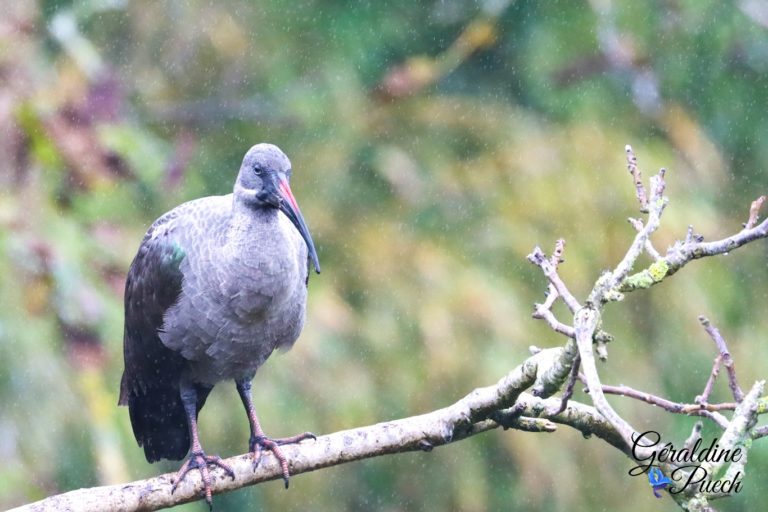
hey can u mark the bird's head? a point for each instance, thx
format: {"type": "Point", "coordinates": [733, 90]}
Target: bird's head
{"type": "Point", "coordinates": [263, 182]}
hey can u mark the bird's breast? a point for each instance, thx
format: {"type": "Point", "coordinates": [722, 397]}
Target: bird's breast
{"type": "Point", "coordinates": [240, 301]}
{"type": "Point", "coordinates": [264, 270]}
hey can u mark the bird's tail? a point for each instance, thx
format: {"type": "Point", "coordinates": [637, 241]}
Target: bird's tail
{"type": "Point", "coordinates": [159, 421]}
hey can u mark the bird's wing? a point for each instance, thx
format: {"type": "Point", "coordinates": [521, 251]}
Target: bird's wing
{"type": "Point", "coordinates": [153, 285]}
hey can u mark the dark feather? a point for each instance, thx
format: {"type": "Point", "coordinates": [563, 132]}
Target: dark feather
{"type": "Point", "coordinates": [150, 383]}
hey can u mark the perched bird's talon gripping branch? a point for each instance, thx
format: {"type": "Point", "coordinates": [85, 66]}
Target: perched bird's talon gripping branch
{"type": "Point", "coordinates": [217, 285]}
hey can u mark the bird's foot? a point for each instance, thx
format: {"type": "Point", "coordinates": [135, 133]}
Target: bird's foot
{"type": "Point", "coordinates": [200, 461]}
{"type": "Point", "coordinates": [259, 443]}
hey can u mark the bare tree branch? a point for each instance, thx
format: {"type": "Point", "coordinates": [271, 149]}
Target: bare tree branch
{"type": "Point", "coordinates": [667, 405]}
{"type": "Point", "coordinates": [544, 311]}
{"type": "Point", "coordinates": [570, 385]}
{"type": "Point", "coordinates": [737, 433]}
{"type": "Point", "coordinates": [703, 398]}
{"type": "Point", "coordinates": [724, 357]}
{"type": "Point", "coordinates": [465, 418]}
{"type": "Point", "coordinates": [636, 178]}
{"type": "Point", "coordinates": [649, 248]}
{"type": "Point", "coordinates": [611, 286]}
{"type": "Point", "coordinates": [418, 433]}
{"type": "Point", "coordinates": [538, 258]}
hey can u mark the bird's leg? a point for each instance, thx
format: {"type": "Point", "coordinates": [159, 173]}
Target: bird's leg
{"type": "Point", "coordinates": [197, 457]}
{"type": "Point", "coordinates": [258, 440]}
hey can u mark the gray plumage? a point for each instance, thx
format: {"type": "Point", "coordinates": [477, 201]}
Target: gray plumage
{"type": "Point", "coordinates": [217, 285]}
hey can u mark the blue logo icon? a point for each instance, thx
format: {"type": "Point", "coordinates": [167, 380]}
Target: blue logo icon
{"type": "Point", "coordinates": [658, 481]}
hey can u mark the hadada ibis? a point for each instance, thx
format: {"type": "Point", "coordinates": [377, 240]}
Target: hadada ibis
{"type": "Point", "coordinates": [217, 285]}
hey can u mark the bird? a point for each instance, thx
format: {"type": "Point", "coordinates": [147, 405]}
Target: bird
{"type": "Point", "coordinates": [217, 285]}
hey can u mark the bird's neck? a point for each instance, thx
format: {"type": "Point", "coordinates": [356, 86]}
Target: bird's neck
{"type": "Point", "coordinates": [256, 238]}
{"type": "Point", "coordinates": [249, 221]}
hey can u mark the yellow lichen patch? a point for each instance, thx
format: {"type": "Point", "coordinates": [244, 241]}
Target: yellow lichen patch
{"type": "Point", "coordinates": [658, 270]}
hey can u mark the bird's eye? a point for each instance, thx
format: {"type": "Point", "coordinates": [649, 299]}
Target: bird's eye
{"type": "Point", "coordinates": [258, 171]}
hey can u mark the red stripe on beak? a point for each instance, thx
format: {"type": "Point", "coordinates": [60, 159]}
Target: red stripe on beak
{"type": "Point", "coordinates": [285, 191]}
{"type": "Point", "coordinates": [290, 207]}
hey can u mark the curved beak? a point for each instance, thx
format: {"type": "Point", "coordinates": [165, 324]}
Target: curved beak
{"type": "Point", "coordinates": [290, 208]}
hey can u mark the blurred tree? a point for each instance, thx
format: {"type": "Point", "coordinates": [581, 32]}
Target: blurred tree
{"type": "Point", "coordinates": [424, 202]}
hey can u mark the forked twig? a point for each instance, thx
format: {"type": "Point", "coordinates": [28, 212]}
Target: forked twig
{"type": "Point", "coordinates": [725, 358]}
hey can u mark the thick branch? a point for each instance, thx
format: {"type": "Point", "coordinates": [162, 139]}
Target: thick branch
{"type": "Point", "coordinates": [585, 323]}
{"type": "Point", "coordinates": [410, 434]}
{"type": "Point", "coordinates": [465, 418]}
{"type": "Point", "coordinates": [738, 432]}
{"type": "Point", "coordinates": [581, 417]}
{"type": "Point", "coordinates": [505, 402]}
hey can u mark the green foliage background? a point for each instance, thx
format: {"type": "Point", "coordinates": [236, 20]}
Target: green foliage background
{"type": "Point", "coordinates": [434, 144]}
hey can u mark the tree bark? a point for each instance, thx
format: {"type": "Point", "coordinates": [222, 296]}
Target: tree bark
{"type": "Point", "coordinates": [465, 418]}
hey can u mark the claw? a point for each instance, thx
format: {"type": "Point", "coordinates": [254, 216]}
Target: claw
{"type": "Point", "coordinates": [200, 461]}
{"type": "Point", "coordinates": [259, 443]}
{"type": "Point", "coordinates": [296, 439]}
